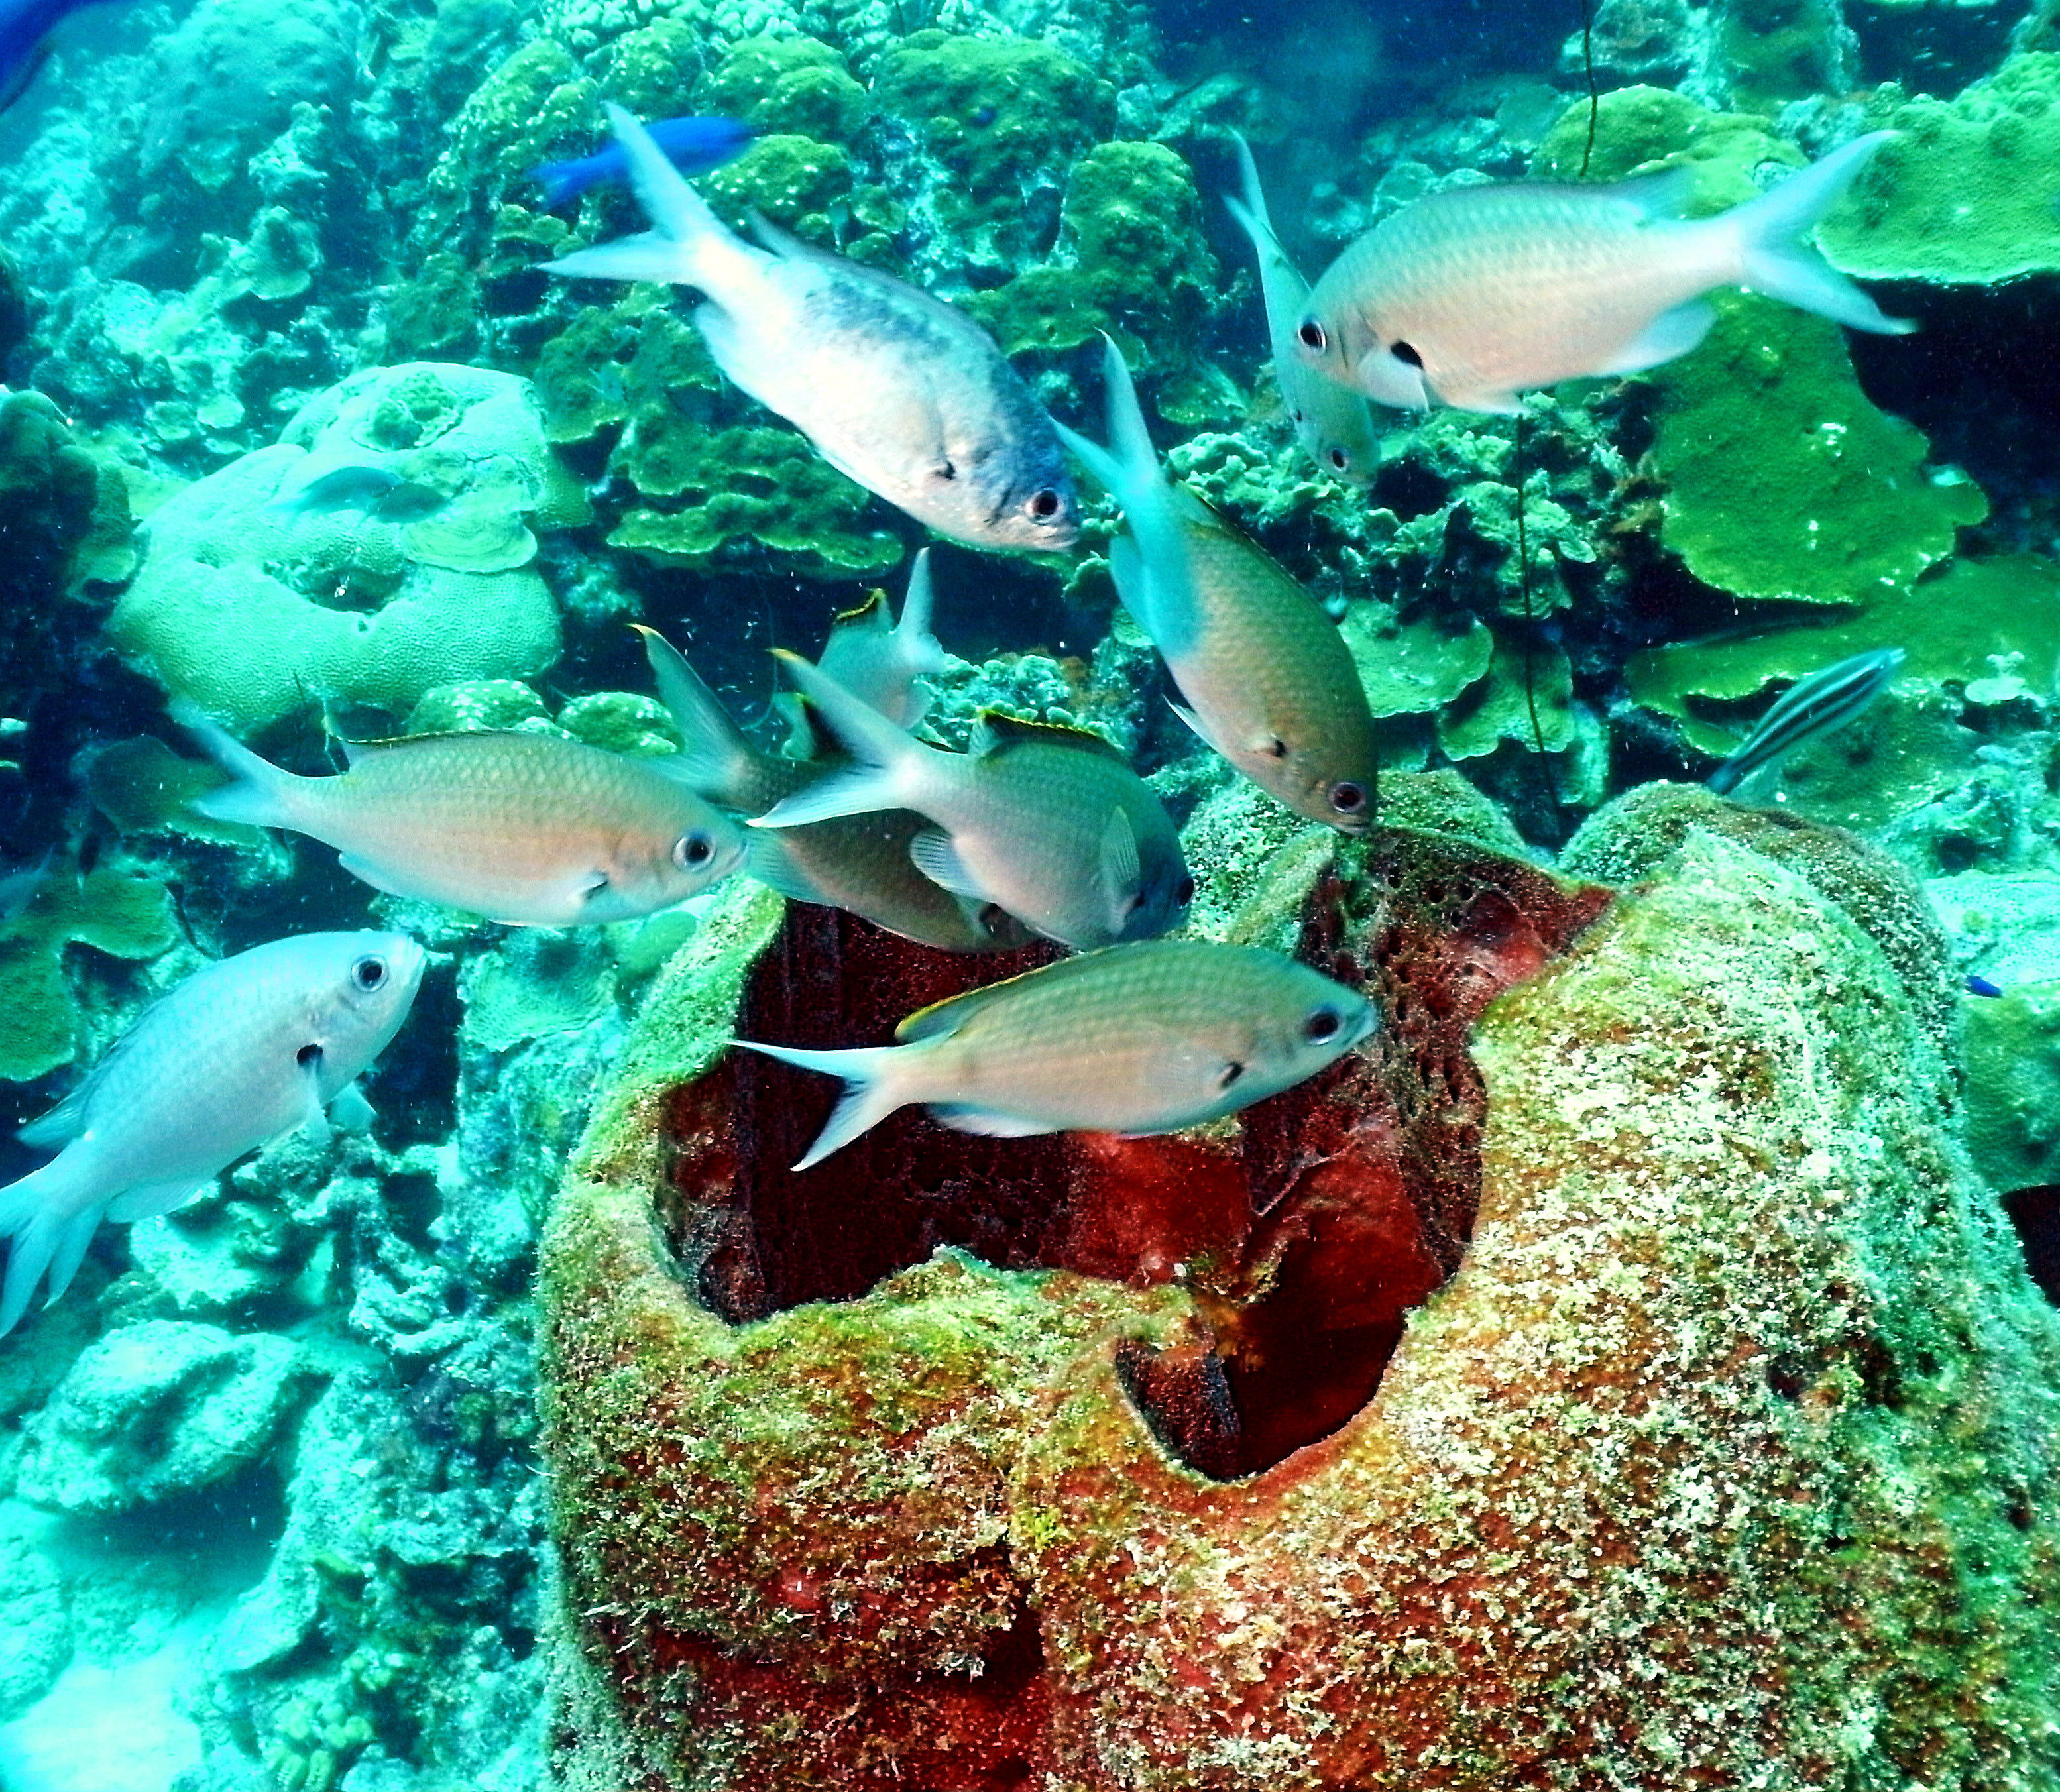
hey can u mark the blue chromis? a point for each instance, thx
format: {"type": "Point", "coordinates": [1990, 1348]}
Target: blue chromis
{"type": "Point", "coordinates": [1475, 294]}
{"type": "Point", "coordinates": [1268, 680]}
{"type": "Point", "coordinates": [1047, 823]}
{"type": "Point", "coordinates": [1137, 1038]}
{"type": "Point", "coordinates": [531, 829]}
{"type": "Point", "coordinates": [881, 662]}
{"type": "Point", "coordinates": [243, 1050]}
{"type": "Point", "coordinates": [1808, 710]}
{"type": "Point", "coordinates": [693, 146]}
{"type": "Point", "coordinates": [858, 862]}
{"type": "Point", "coordinates": [897, 391]}
{"type": "Point", "coordinates": [1334, 425]}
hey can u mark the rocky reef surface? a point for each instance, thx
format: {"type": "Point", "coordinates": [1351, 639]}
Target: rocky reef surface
{"type": "Point", "coordinates": [1626, 1376]}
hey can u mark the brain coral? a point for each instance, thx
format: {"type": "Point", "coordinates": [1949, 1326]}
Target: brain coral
{"type": "Point", "coordinates": [255, 608]}
{"type": "Point", "coordinates": [1726, 1457]}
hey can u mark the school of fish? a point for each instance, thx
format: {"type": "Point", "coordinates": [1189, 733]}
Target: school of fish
{"type": "Point", "coordinates": [1466, 299]}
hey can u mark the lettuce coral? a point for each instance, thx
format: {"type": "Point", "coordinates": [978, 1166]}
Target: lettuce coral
{"type": "Point", "coordinates": [1963, 195]}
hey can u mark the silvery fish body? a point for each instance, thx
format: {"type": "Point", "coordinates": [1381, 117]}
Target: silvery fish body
{"type": "Point", "coordinates": [882, 662]}
{"type": "Point", "coordinates": [1048, 825]}
{"type": "Point", "coordinates": [896, 390]}
{"type": "Point", "coordinates": [1334, 425]}
{"type": "Point", "coordinates": [530, 829]}
{"type": "Point", "coordinates": [1473, 295]}
{"type": "Point", "coordinates": [1138, 1039]}
{"type": "Point", "coordinates": [1269, 682]}
{"type": "Point", "coordinates": [240, 1052]}
{"type": "Point", "coordinates": [858, 863]}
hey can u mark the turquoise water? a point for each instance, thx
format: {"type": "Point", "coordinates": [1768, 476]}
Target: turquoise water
{"type": "Point", "coordinates": [1544, 496]}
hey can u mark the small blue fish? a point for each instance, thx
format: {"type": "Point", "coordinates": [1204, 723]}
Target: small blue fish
{"type": "Point", "coordinates": [1981, 986]}
{"type": "Point", "coordinates": [693, 146]}
{"type": "Point", "coordinates": [24, 30]}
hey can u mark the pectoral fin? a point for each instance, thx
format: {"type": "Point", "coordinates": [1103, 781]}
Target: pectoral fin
{"type": "Point", "coordinates": [938, 860]}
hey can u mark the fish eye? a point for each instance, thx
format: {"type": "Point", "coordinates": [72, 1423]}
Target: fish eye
{"type": "Point", "coordinates": [1322, 1025]}
{"type": "Point", "coordinates": [1340, 461]}
{"type": "Point", "coordinates": [1183, 892]}
{"type": "Point", "coordinates": [1276, 748]}
{"type": "Point", "coordinates": [1346, 797]}
{"type": "Point", "coordinates": [691, 851]}
{"type": "Point", "coordinates": [1045, 504]}
{"type": "Point", "coordinates": [1407, 356]}
{"type": "Point", "coordinates": [1230, 1073]}
{"type": "Point", "coordinates": [1312, 335]}
{"type": "Point", "coordinates": [369, 973]}
{"type": "Point", "coordinates": [308, 1056]}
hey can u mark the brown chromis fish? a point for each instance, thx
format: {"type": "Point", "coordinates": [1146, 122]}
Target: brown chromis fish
{"type": "Point", "coordinates": [243, 1050]}
{"type": "Point", "coordinates": [1334, 425]}
{"type": "Point", "coordinates": [897, 391]}
{"type": "Point", "coordinates": [1808, 709]}
{"type": "Point", "coordinates": [858, 863]}
{"type": "Point", "coordinates": [1048, 824]}
{"type": "Point", "coordinates": [881, 661]}
{"type": "Point", "coordinates": [1269, 682]}
{"type": "Point", "coordinates": [1137, 1038]}
{"type": "Point", "coordinates": [1473, 295]}
{"type": "Point", "coordinates": [531, 829]}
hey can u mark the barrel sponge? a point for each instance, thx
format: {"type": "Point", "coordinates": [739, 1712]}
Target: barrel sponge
{"type": "Point", "coordinates": [255, 609]}
{"type": "Point", "coordinates": [1729, 1455]}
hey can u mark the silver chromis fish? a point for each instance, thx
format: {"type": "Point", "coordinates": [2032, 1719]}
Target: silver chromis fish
{"type": "Point", "coordinates": [858, 863]}
{"type": "Point", "coordinates": [1138, 1039]}
{"type": "Point", "coordinates": [1048, 824]}
{"type": "Point", "coordinates": [880, 662]}
{"type": "Point", "coordinates": [896, 390]}
{"type": "Point", "coordinates": [1269, 682]}
{"type": "Point", "coordinates": [1810, 708]}
{"type": "Point", "coordinates": [1334, 425]}
{"type": "Point", "coordinates": [1473, 295]}
{"type": "Point", "coordinates": [530, 829]}
{"type": "Point", "coordinates": [240, 1052]}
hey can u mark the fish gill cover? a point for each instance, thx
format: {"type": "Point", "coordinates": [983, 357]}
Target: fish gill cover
{"type": "Point", "coordinates": [1618, 1369]}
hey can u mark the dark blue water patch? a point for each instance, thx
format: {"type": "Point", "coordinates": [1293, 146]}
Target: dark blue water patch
{"type": "Point", "coordinates": [1982, 379]}
{"type": "Point", "coordinates": [2035, 1214]}
{"type": "Point", "coordinates": [1931, 49]}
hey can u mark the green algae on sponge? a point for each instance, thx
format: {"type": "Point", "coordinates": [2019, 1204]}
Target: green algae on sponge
{"type": "Point", "coordinates": [41, 1020]}
{"type": "Point", "coordinates": [257, 609]}
{"type": "Point", "coordinates": [1964, 195]}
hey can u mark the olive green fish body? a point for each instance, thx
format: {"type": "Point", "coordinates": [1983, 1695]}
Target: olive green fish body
{"type": "Point", "coordinates": [1269, 682]}
{"type": "Point", "coordinates": [527, 828]}
{"type": "Point", "coordinates": [1268, 679]}
{"type": "Point", "coordinates": [1141, 1038]}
